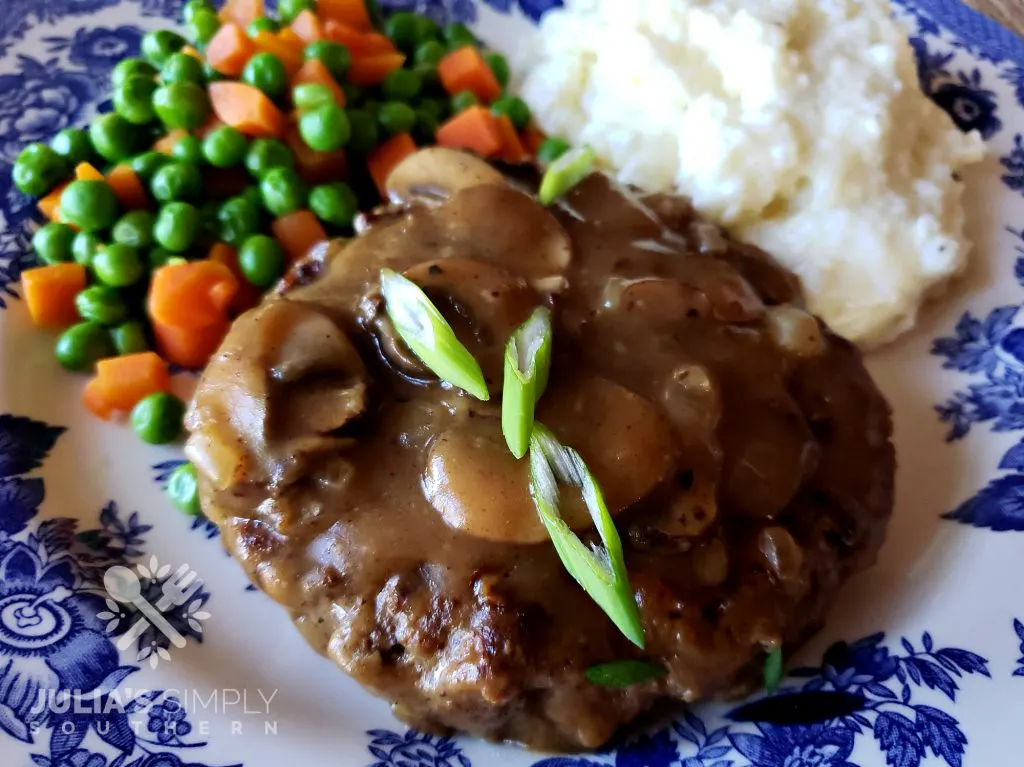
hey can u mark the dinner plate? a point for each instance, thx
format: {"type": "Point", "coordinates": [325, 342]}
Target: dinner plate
{"type": "Point", "coordinates": [921, 662]}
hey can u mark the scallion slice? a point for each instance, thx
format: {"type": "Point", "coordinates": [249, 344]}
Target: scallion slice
{"type": "Point", "coordinates": [429, 336]}
{"type": "Point", "coordinates": [624, 673]}
{"type": "Point", "coordinates": [565, 173]}
{"type": "Point", "coordinates": [527, 366]}
{"type": "Point", "coordinates": [773, 670]}
{"type": "Point", "coordinates": [601, 571]}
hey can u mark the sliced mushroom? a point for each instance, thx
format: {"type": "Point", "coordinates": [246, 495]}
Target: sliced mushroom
{"type": "Point", "coordinates": [668, 300]}
{"type": "Point", "coordinates": [795, 330]}
{"type": "Point", "coordinates": [432, 175]}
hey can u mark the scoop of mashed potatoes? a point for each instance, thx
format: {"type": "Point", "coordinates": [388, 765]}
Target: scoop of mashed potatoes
{"type": "Point", "coordinates": [797, 124]}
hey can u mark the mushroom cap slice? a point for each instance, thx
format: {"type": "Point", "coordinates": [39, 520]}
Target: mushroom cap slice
{"type": "Point", "coordinates": [432, 175]}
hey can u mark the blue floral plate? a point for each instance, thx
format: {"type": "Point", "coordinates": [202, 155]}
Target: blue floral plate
{"type": "Point", "coordinates": [921, 664]}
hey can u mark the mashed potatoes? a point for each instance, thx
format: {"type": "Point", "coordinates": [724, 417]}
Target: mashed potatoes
{"type": "Point", "coordinates": [798, 124]}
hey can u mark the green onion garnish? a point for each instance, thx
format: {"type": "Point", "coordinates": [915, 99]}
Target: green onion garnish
{"type": "Point", "coordinates": [601, 572]}
{"type": "Point", "coordinates": [527, 366]}
{"type": "Point", "coordinates": [773, 670]}
{"type": "Point", "coordinates": [429, 336]}
{"type": "Point", "coordinates": [623, 673]}
{"type": "Point", "coordinates": [565, 173]}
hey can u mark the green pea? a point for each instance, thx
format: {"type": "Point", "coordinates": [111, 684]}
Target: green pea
{"type": "Point", "coordinates": [402, 85]}
{"type": "Point", "coordinates": [268, 153]}
{"type": "Point", "coordinates": [89, 205]}
{"type": "Point", "coordinates": [334, 56]}
{"type": "Point", "coordinates": [463, 100]}
{"type": "Point", "coordinates": [499, 65]}
{"type": "Point", "coordinates": [457, 35]}
{"type": "Point", "coordinates": [182, 68]}
{"type": "Point", "coordinates": [159, 257]}
{"type": "Point", "coordinates": [514, 108]}
{"type": "Point", "coordinates": [38, 169]}
{"type": "Point", "coordinates": [211, 74]}
{"type": "Point", "coordinates": [177, 181]}
{"type": "Point", "coordinates": [266, 72]}
{"type": "Point", "coordinates": [156, 418]}
{"type": "Point", "coordinates": [84, 247]}
{"type": "Point", "coordinates": [431, 52]}
{"type": "Point", "coordinates": [426, 29]}
{"type": "Point", "coordinates": [189, 149]}
{"type": "Point", "coordinates": [283, 191]}
{"type": "Point", "coordinates": [117, 266]}
{"type": "Point", "coordinates": [252, 194]}
{"type": "Point", "coordinates": [326, 128]}
{"type": "Point", "coordinates": [396, 117]}
{"type": "Point", "coordinates": [353, 94]}
{"type": "Point", "coordinates": [262, 24]}
{"type": "Point", "coordinates": [225, 147]}
{"type": "Point", "coordinates": [135, 228]}
{"type": "Point", "coordinates": [192, 7]}
{"type": "Point", "coordinates": [129, 338]}
{"type": "Point", "coordinates": [81, 346]}
{"type": "Point", "coordinates": [53, 242]}
{"type": "Point", "coordinates": [148, 163]}
{"type": "Point", "coordinates": [183, 490]}
{"type": "Point", "coordinates": [102, 305]}
{"type": "Point", "coordinates": [113, 137]}
{"type": "Point", "coordinates": [551, 149]}
{"type": "Point", "coordinates": [239, 219]}
{"type": "Point", "coordinates": [402, 29]}
{"type": "Point", "coordinates": [311, 95]}
{"type": "Point", "coordinates": [182, 105]}
{"type": "Point", "coordinates": [132, 68]}
{"type": "Point", "coordinates": [133, 100]}
{"type": "Point", "coordinates": [287, 10]}
{"type": "Point", "coordinates": [73, 145]}
{"type": "Point", "coordinates": [261, 260]}
{"type": "Point", "coordinates": [365, 134]}
{"type": "Point", "coordinates": [203, 26]}
{"type": "Point", "coordinates": [177, 225]}
{"type": "Point", "coordinates": [158, 46]}
{"type": "Point", "coordinates": [334, 203]}
{"type": "Point", "coordinates": [425, 131]}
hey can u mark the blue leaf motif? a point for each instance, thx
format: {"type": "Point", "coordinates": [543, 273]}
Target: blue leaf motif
{"type": "Point", "coordinates": [19, 502]}
{"type": "Point", "coordinates": [1013, 460]}
{"type": "Point", "coordinates": [24, 444]}
{"type": "Point", "coordinates": [934, 677]}
{"type": "Point", "coordinates": [941, 733]}
{"type": "Point", "coordinates": [898, 738]}
{"type": "Point", "coordinates": [879, 690]}
{"type": "Point", "coordinates": [116, 731]}
{"type": "Point", "coordinates": [998, 506]}
{"type": "Point", "coordinates": [968, 661]}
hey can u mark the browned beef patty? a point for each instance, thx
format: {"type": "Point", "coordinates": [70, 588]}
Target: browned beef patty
{"type": "Point", "coordinates": [743, 449]}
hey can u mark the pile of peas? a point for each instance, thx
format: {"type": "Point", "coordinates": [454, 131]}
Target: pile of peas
{"type": "Point", "coordinates": [165, 90]}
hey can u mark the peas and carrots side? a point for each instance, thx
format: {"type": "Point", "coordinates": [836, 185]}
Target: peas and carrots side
{"type": "Point", "coordinates": [228, 153]}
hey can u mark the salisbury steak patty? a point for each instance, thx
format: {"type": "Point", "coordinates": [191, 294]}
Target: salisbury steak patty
{"type": "Point", "coordinates": [742, 448]}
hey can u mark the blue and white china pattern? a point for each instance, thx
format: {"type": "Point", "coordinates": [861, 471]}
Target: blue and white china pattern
{"type": "Point", "coordinates": [876, 701]}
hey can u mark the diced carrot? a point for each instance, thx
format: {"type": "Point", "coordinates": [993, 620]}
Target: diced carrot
{"type": "Point", "coordinates": [50, 293]}
{"type": "Point", "coordinates": [188, 347]}
{"type": "Point", "coordinates": [532, 137]}
{"type": "Point", "coordinates": [248, 295]}
{"type": "Point", "coordinates": [307, 26]}
{"type": "Point", "coordinates": [314, 71]}
{"type": "Point", "coordinates": [230, 50]}
{"type": "Point", "coordinates": [128, 188]}
{"type": "Point", "coordinates": [475, 129]}
{"type": "Point", "coordinates": [298, 232]}
{"type": "Point", "coordinates": [49, 206]}
{"type": "Point", "coordinates": [384, 158]}
{"type": "Point", "coordinates": [316, 167]}
{"type": "Point", "coordinates": [285, 51]}
{"type": "Point", "coordinates": [466, 70]}
{"type": "Point", "coordinates": [191, 295]}
{"type": "Point", "coordinates": [511, 147]}
{"type": "Point", "coordinates": [372, 70]}
{"type": "Point", "coordinates": [246, 108]}
{"type": "Point", "coordinates": [188, 50]}
{"type": "Point", "coordinates": [288, 36]}
{"type": "Point", "coordinates": [358, 43]}
{"type": "Point", "coordinates": [87, 172]}
{"type": "Point", "coordinates": [166, 143]}
{"type": "Point", "coordinates": [242, 12]}
{"type": "Point", "coordinates": [121, 382]}
{"type": "Point", "coordinates": [349, 12]}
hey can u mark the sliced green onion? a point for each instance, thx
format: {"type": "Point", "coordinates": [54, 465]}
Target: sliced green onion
{"type": "Point", "coordinates": [773, 670]}
{"type": "Point", "coordinates": [624, 673]}
{"type": "Point", "coordinates": [601, 571]}
{"type": "Point", "coordinates": [429, 336]}
{"type": "Point", "coordinates": [527, 366]}
{"type": "Point", "coordinates": [565, 173]}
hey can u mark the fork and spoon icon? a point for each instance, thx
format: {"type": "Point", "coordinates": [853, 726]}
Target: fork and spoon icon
{"type": "Point", "coordinates": [123, 584]}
